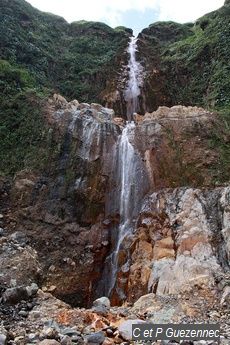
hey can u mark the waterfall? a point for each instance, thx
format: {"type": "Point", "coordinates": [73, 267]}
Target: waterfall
{"type": "Point", "coordinates": [128, 162]}
{"type": "Point", "coordinates": [126, 174]}
{"type": "Point", "coordinates": [133, 91]}
{"type": "Point", "coordinates": [128, 182]}
{"type": "Point", "coordinates": [132, 181]}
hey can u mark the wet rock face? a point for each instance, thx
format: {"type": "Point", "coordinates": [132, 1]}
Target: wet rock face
{"type": "Point", "coordinates": [172, 145]}
{"type": "Point", "coordinates": [62, 212]}
{"type": "Point", "coordinates": [180, 242]}
{"type": "Point", "coordinates": [175, 146]}
{"type": "Point", "coordinates": [59, 228]}
{"type": "Point", "coordinates": [70, 214]}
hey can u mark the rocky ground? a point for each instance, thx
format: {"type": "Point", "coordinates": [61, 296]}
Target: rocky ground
{"type": "Point", "coordinates": [30, 315]}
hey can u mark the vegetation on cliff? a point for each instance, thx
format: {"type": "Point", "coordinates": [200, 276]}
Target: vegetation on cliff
{"type": "Point", "coordinates": [22, 127]}
{"type": "Point", "coordinates": [74, 59]}
{"type": "Point", "coordinates": [41, 53]}
{"type": "Point", "coordinates": [188, 64]}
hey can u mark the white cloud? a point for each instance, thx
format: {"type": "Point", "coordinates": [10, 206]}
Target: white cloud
{"type": "Point", "coordinates": [73, 10]}
{"type": "Point", "coordinates": [112, 10]}
{"type": "Point", "coordinates": [183, 11]}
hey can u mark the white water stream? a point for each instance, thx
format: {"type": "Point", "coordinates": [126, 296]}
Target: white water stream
{"type": "Point", "coordinates": [127, 160]}
{"type": "Point", "coordinates": [131, 170]}
{"type": "Point", "coordinates": [135, 78]}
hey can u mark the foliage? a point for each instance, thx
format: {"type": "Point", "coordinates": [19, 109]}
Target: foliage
{"type": "Point", "coordinates": [41, 53]}
{"type": "Point", "coordinates": [73, 59]}
{"type": "Point", "coordinates": [198, 66]}
{"type": "Point", "coordinates": [22, 130]}
{"type": "Point", "coordinates": [191, 67]}
{"type": "Point", "coordinates": [192, 61]}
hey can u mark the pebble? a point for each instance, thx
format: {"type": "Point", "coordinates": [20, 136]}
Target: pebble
{"type": "Point", "coordinates": [49, 342]}
{"type": "Point", "coordinates": [18, 339]}
{"type": "Point", "coordinates": [30, 306]}
{"type": "Point", "coordinates": [66, 340]}
{"type": "Point", "coordinates": [52, 268]}
{"type": "Point", "coordinates": [3, 339]}
{"type": "Point", "coordinates": [32, 337]}
{"type": "Point", "coordinates": [109, 332]}
{"type": "Point", "coordinates": [95, 338]}
{"type": "Point", "coordinates": [51, 288]}
{"type": "Point", "coordinates": [76, 339]}
{"type": "Point", "coordinates": [100, 309]}
{"type": "Point", "coordinates": [23, 313]}
{"type": "Point", "coordinates": [35, 314]}
{"type": "Point", "coordinates": [49, 332]}
{"type": "Point", "coordinates": [52, 324]}
{"type": "Point", "coordinates": [32, 289]}
{"type": "Point", "coordinates": [70, 332]}
{"type": "Point", "coordinates": [214, 314]}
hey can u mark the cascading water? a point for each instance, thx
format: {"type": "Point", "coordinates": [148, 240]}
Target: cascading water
{"type": "Point", "coordinates": [135, 77]}
{"type": "Point", "coordinates": [127, 164]}
{"type": "Point", "coordinates": [129, 174]}
{"type": "Point", "coordinates": [128, 185]}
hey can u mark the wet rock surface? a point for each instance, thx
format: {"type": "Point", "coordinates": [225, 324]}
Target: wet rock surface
{"type": "Point", "coordinates": [67, 206]}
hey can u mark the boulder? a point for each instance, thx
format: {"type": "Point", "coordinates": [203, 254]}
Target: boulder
{"type": "Point", "coordinates": [15, 295]}
{"type": "Point", "coordinates": [102, 301]}
{"type": "Point", "coordinates": [59, 100]}
{"type": "Point", "coordinates": [125, 328]}
{"type": "Point", "coordinates": [19, 293]}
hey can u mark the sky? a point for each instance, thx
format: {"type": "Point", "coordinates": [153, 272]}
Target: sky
{"type": "Point", "coordinates": [135, 14]}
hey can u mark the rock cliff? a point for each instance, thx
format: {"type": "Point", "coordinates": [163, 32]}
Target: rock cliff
{"type": "Point", "coordinates": [74, 204]}
{"type": "Point", "coordinates": [104, 222]}
{"type": "Point", "coordinates": [59, 227]}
